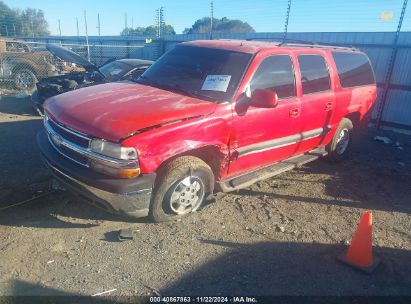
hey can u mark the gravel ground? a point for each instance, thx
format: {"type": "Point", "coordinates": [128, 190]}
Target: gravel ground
{"type": "Point", "coordinates": [278, 237]}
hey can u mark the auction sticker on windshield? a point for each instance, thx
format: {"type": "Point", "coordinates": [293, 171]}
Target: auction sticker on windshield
{"type": "Point", "coordinates": [216, 83]}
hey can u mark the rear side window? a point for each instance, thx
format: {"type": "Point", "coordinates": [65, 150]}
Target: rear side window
{"type": "Point", "coordinates": [314, 73]}
{"type": "Point", "coordinates": [353, 69]}
{"type": "Point", "coordinates": [275, 73]}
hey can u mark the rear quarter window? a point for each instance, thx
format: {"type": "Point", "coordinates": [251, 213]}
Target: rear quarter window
{"type": "Point", "coordinates": [354, 69]}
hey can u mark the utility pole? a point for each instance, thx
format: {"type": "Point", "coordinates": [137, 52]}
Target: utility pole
{"type": "Point", "coordinates": [125, 20]}
{"type": "Point", "coordinates": [287, 17]}
{"type": "Point", "coordinates": [157, 23]}
{"type": "Point", "coordinates": [211, 20]}
{"type": "Point", "coordinates": [78, 31]}
{"type": "Point", "coordinates": [32, 27]}
{"type": "Point", "coordinates": [88, 47]}
{"type": "Point", "coordinates": [59, 29]}
{"type": "Point", "coordinates": [7, 31]}
{"type": "Point", "coordinates": [132, 22]}
{"type": "Point", "coordinates": [98, 23]}
{"type": "Point", "coordinates": [161, 22]}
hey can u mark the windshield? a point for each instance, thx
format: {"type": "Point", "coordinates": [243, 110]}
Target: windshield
{"type": "Point", "coordinates": [202, 72]}
{"type": "Point", "coordinates": [114, 70]}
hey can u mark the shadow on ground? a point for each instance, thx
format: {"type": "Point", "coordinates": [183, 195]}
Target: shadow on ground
{"type": "Point", "coordinates": [29, 293]}
{"type": "Point", "coordinates": [293, 269]}
{"type": "Point", "coordinates": [17, 106]}
{"type": "Point", "coordinates": [23, 176]}
{"type": "Point", "coordinates": [275, 269]}
{"type": "Point", "coordinates": [60, 210]}
{"type": "Point", "coordinates": [374, 176]}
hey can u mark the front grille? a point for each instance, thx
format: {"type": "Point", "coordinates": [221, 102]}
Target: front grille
{"type": "Point", "coordinates": [76, 147]}
{"type": "Point", "coordinates": [69, 135]}
{"type": "Point", "coordinates": [74, 156]}
{"type": "Point", "coordinates": [58, 135]}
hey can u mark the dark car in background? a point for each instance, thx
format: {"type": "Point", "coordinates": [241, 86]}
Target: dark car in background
{"type": "Point", "coordinates": [112, 70]}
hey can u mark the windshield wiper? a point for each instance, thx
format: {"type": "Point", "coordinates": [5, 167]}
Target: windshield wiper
{"type": "Point", "coordinates": [200, 95]}
{"type": "Point", "coordinates": [179, 88]}
{"type": "Point", "coordinates": [195, 94]}
{"type": "Point", "coordinates": [174, 87]}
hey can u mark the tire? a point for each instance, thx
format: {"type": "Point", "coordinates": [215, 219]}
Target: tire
{"type": "Point", "coordinates": [339, 146]}
{"type": "Point", "coordinates": [180, 188]}
{"type": "Point", "coordinates": [24, 79]}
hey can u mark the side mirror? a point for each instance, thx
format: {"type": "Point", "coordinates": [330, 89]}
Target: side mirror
{"type": "Point", "coordinates": [264, 98]}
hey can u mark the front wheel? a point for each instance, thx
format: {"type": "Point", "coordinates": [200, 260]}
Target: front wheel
{"type": "Point", "coordinates": [181, 187]}
{"type": "Point", "coordinates": [339, 146]}
{"type": "Point", "coordinates": [24, 79]}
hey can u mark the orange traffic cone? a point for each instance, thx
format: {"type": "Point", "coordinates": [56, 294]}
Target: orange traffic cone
{"type": "Point", "coordinates": [359, 254]}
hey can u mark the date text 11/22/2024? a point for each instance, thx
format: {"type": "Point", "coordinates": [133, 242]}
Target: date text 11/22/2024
{"type": "Point", "coordinates": [203, 299]}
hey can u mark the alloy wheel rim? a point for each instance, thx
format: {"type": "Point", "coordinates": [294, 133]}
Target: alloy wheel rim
{"type": "Point", "coordinates": [343, 141]}
{"type": "Point", "coordinates": [187, 195]}
{"type": "Point", "coordinates": [24, 79]}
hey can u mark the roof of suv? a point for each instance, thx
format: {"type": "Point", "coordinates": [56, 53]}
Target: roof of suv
{"type": "Point", "coordinates": [253, 47]}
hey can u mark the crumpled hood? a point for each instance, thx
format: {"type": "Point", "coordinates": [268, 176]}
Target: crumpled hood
{"type": "Point", "coordinates": [113, 111]}
{"type": "Point", "coordinates": [70, 56]}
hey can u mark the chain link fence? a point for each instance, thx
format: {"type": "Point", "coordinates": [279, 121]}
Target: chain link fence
{"type": "Point", "coordinates": [25, 61]}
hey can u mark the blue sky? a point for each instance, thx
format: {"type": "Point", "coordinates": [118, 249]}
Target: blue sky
{"type": "Point", "coordinates": [262, 15]}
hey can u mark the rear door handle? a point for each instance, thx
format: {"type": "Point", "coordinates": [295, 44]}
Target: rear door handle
{"type": "Point", "coordinates": [295, 112]}
{"type": "Point", "coordinates": [329, 106]}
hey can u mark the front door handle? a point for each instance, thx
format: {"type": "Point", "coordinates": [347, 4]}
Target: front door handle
{"type": "Point", "coordinates": [294, 112]}
{"type": "Point", "coordinates": [328, 106]}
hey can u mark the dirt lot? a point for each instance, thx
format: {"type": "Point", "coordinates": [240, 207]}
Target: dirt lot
{"type": "Point", "coordinates": [58, 245]}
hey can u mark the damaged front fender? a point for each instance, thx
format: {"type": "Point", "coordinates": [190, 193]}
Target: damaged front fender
{"type": "Point", "coordinates": [204, 137]}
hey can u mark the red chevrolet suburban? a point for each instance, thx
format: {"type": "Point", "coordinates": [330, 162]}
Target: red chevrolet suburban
{"type": "Point", "coordinates": [208, 115]}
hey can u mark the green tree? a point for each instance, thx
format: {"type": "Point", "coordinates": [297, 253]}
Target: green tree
{"type": "Point", "coordinates": [201, 26]}
{"type": "Point", "coordinates": [223, 25]}
{"type": "Point", "coordinates": [150, 30]}
{"type": "Point", "coordinates": [14, 22]}
{"type": "Point", "coordinates": [168, 29]}
{"type": "Point", "coordinates": [9, 21]}
{"type": "Point", "coordinates": [34, 22]}
{"type": "Point", "coordinates": [138, 31]}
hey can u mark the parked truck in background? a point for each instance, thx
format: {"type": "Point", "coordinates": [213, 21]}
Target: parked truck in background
{"type": "Point", "coordinates": [24, 65]}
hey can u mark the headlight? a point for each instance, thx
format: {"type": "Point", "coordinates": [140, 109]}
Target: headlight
{"type": "Point", "coordinates": [113, 150]}
{"type": "Point", "coordinates": [116, 151]}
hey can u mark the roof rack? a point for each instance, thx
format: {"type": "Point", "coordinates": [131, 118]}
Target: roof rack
{"type": "Point", "coordinates": [304, 43]}
{"type": "Point", "coordinates": [320, 45]}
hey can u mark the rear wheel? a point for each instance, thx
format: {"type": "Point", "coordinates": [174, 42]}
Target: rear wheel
{"type": "Point", "coordinates": [24, 79]}
{"type": "Point", "coordinates": [340, 144]}
{"type": "Point", "coordinates": [181, 187]}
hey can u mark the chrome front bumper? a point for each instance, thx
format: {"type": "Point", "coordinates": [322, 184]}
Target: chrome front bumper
{"type": "Point", "coordinates": [57, 140]}
{"type": "Point", "coordinates": [129, 197]}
